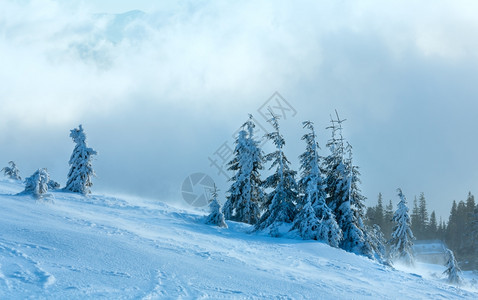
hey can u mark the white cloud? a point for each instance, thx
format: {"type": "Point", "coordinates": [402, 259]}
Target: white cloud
{"type": "Point", "coordinates": [62, 63]}
{"type": "Point", "coordinates": [61, 56]}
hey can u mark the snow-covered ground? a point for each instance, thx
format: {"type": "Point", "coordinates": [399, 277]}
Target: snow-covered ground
{"type": "Point", "coordinates": [73, 247]}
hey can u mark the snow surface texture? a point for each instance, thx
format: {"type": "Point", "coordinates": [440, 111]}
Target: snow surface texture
{"type": "Point", "coordinates": [67, 246]}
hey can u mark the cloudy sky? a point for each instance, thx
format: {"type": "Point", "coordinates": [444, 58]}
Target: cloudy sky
{"type": "Point", "coordinates": [159, 88]}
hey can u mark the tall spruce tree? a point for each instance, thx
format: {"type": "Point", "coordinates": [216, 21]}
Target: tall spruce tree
{"type": "Point", "coordinates": [402, 236]}
{"type": "Point", "coordinates": [474, 239]}
{"type": "Point", "coordinates": [245, 194]}
{"type": "Point", "coordinates": [432, 231]}
{"type": "Point", "coordinates": [388, 222]}
{"type": "Point", "coordinates": [81, 169]}
{"type": "Point", "coordinates": [467, 248]}
{"type": "Point", "coordinates": [376, 214]}
{"type": "Point", "coordinates": [470, 207]}
{"type": "Point", "coordinates": [415, 218]}
{"type": "Point", "coordinates": [280, 202]}
{"type": "Point", "coordinates": [315, 219]}
{"type": "Point", "coordinates": [423, 216]}
{"type": "Point", "coordinates": [379, 211]}
{"type": "Point", "coordinates": [452, 227]}
{"type": "Point", "coordinates": [461, 225]}
{"type": "Point", "coordinates": [334, 165]}
{"type": "Point", "coordinates": [351, 212]}
{"type": "Point", "coordinates": [441, 232]}
{"type": "Point", "coordinates": [344, 196]}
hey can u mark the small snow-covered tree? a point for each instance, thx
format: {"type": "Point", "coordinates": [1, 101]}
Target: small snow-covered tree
{"type": "Point", "coordinates": [12, 171]}
{"type": "Point", "coordinates": [378, 242]}
{"type": "Point", "coordinates": [402, 236]}
{"type": "Point", "coordinates": [53, 185]}
{"type": "Point", "coordinates": [315, 219]}
{"type": "Point", "coordinates": [452, 269]}
{"type": "Point", "coordinates": [246, 193]}
{"type": "Point", "coordinates": [280, 202]}
{"type": "Point", "coordinates": [81, 170]}
{"type": "Point", "coordinates": [216, 217]}
{"type": "Point", "coordinates": [37, 184]}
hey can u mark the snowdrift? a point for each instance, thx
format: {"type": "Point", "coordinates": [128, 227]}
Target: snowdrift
{"type": "Point", "coordinates": [67, 246]}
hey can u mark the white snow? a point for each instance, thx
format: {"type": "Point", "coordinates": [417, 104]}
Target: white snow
{"type": "Point", "coordinates": [67, 246]}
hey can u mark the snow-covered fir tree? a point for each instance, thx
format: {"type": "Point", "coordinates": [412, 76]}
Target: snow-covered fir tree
{"type": "Point", "coordinates": [12, 171]}
{"type": "Point", "coordinates": [452, 269]}
{"type": "Point", "coordinates": [356, 197]}
{"type": "Point", "coordinates": [307, 224]}
{"type": "Point", "coordinates": [378, 242]}
{"type": "Point", "coordinates": [350, 211]}
{"type": "Point", "coordinates": [402, 236]}
{"type": "Point", "coordinates": [280, 202]}
{"type": "Point", "coordinates": [344, 196]}
{"type": "Point", "coordinates": [334, 167]}
{"type": "Point", "coordinates": [53, 185]}
{"type": "Point", "coordinates": [215, 217]}
{"type": "Point", "coordinates": [81, 170]}
{"type": "Point", "coordinates": [37, 184]}
{"type": "Point", "coordinates": [315, 219]}
{"type": "Point", "coordinates": [245, 194]}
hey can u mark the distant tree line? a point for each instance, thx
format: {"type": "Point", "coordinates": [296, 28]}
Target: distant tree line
{"type": "Point", "coordinates": [459, 232]}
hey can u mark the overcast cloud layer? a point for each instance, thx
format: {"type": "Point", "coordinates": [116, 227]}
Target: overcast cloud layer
{"type": "Point", "coordinates": [159, 88]}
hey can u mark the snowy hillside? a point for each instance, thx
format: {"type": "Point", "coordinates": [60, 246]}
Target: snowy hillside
{"type": "Point", "coordinates": [75, 247]}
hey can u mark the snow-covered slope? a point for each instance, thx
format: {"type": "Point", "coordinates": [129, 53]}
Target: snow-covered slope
{"type": "Point", "coordinates": [74, 247]}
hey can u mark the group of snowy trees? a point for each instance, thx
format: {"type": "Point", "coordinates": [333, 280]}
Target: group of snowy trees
{"type": "Point", "coordinates": [424, 226]}
{"type": "Point", "coordinates": [460, 232]}
{"type": "Point", "coordinates": [324, 204]}
{"type": "Point", "coordinates": [315, 219]}
{"type": "Point", "coordinates": [395, 242]}
{"type": "Point", "coordinates": [381, 216]}
{"type": "Point", "coordinates": [402, 238]}
{"type": "Point", "coordinates": [79, 176]}
{"type": "Point", "coordinates": [39, 183]}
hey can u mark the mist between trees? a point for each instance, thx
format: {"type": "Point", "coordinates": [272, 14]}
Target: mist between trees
{"type": "Point", "coordinates": [459, 232]}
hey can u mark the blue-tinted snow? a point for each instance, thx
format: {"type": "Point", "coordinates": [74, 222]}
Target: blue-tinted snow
{"type": "Point", "coordinates": [67, 246]}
